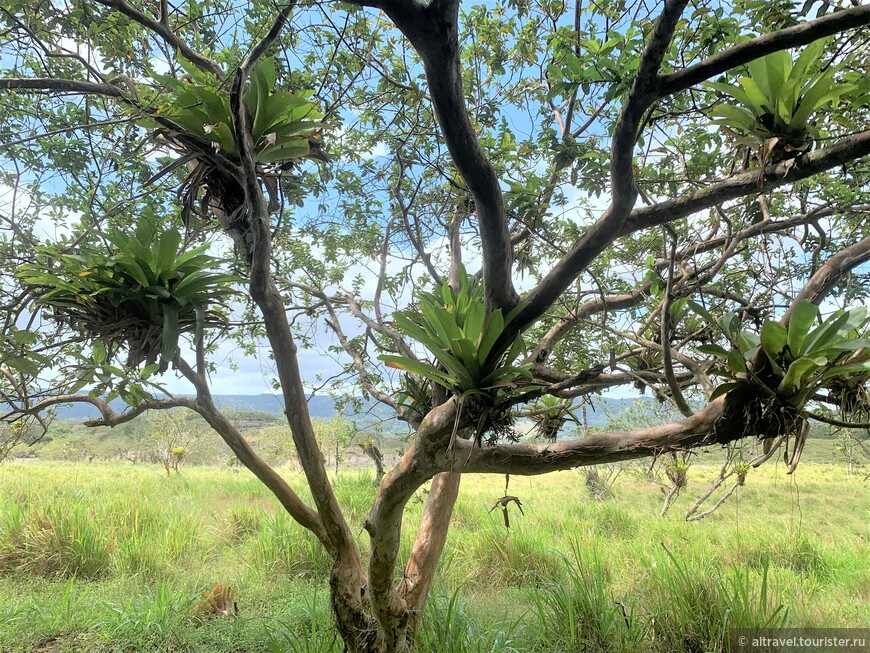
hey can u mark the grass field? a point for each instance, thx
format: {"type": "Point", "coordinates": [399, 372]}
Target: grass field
{"type": "Point", "coordinates": [115, 557]}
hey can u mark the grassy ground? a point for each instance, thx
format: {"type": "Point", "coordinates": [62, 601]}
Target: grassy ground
{"type": "Point", "coordinates": [111, 557]}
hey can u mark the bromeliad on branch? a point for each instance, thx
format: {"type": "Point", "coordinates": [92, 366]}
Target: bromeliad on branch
{"type": "Point", "coordinates": [775, 101]}
{"type": "Point", "coordinates": [196, 110]}
{"type": "Point", "coordinates": [141, 296]}
{"type": "Point", "coordinates": [456, 329]}
{"type": "Point", "coordinates": [775, 373]}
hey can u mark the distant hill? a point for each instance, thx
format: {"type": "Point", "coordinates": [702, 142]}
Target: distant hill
{"type": "Point", "coordinates": [324, 407]}
{"type": "Point", "coordinates": [318, 406]}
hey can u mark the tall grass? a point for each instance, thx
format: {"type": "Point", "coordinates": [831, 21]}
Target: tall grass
{"type": "Point", "coordinates": [121, 554]}
{"type": "Point", "coordinates": [582, 612]}
{"type": "Point", "coordinates": [692, 607]}
{"type": "Point", "coordinates": [280, 547]}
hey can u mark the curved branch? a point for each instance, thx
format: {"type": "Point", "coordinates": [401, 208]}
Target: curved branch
{"type": "Point", "coordinates": [843, 151]}
{"type": "Point", "coordinates": [594, 241]}
{"type": "Point", "coordinates": [837, 422]}
{"type": "Point", "coordinates": [430, 541]}
{"type": "Point", "coordinates": [339, 541]}
{"type": "Point", "coordinates": [108, 416]}
{"type": "Point", "coordinates": [335, 324]}
{"type": "Point", "coordinates": [50, 84]}
{"type": "Point", "coordinates": [826, 277]}
{"type": "Point", "coordinates": [161, 29]}
{"type": "Point", "coordinates": [532, 459]}
{"type": "Point", "coordinates": [295, 506]}
{"type": "Point", "coordinates": [643, 93]}
{"type": "Point", "coordinates": [743, 53]}
{"type": "Point", "coordinates": [433, 30]}
{"type": "Point", "coordinates": [676, 392]}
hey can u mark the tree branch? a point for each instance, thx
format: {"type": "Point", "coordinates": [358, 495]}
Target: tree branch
{"type": "Point", "coordinates": [295, 507]}
{"type": "Point", "coordinates": [49, 84]}
{"type": "Point", "coordinates": [826, 277]}
{"type": "Point", "coordinates": [593, 242]}
{"type": "Point", "coordinates": [431, 538]}
{"type": "Point", "coordinates": [348, 574]}
{"type": "Point", "coordinates": [743, 53]}
{"type": "Point", "coordinates": [108, 416]}
{"type": "Point", "coordinates": [433, 30]}
{"type": "Point", "coordinates": [161, 29]}
{"type": "Point", "coordinates": [594, 449]}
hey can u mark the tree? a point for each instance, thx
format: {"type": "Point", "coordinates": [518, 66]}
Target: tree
{"type": "Point", "coordinates": [513, 140]}
{"type": "Point", "coordinates": [173, 437]}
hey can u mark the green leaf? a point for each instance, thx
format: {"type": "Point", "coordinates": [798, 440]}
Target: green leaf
{"type": "Point", "coordinates": [196, 73]}
{"type": "Point", "coordinates": [846, 370]}
{"type": "Point", "coordinates": [702, 312]}
{"type": "Point", "coordinates": [747, 341]}
{"type": "Point", "coordinates": [802, 316]}
{"type": "Point", "coordinates": [773, 338]}
{"type": "Point", "coordinates": [167, 249]}
{"type": "Point", "coordinates": [419, 368]}
{"type": "Point", "coordinates": [722, 389]}
{"type": "Point", "coordinates": [170, 332]}
{"type": "Point", "coordinates": [778, 65]}
{"type": "Point", "coordinates": [807, 58]}
{"type": "Point", "coordinates": [791, 382]}
{"type": "Point", "coordinates": [714, 350]}
{"type": "Point", "coordinates": [753, 98]}
{"type": "Point", "coordinates": [295, 149]}
{"type": "Point", "coordinates": [731, 327]}
{"type": "Point", "coordinates": [98, 352]}
{"type": "Point", "coordinates": [411, 328]}
{"type": "Point", "coordinates": [494, 328]}
{"type": "Point", "coordinates": [736, 362]}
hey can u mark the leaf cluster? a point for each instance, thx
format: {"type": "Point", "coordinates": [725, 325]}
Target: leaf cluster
{"type": "Point", "coordinates": [796, 361]}
{"type": "Point", "coordinates": [777, 97]}
{"type": "Point", "coordinates": [144, 294]}
{"type": "Point", "coordinates": [462, 337]}
{"type": "Point", "coordinates": [550, 415]}
{"type": "Point", "coordinates": [282, 123]}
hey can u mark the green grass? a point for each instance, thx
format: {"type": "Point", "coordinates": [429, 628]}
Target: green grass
{"type": "Point", "coordinates": [115, 557]}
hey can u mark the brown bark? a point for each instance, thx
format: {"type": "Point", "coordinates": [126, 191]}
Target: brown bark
{"type": "Point", "coordinates": [426, 552]}
{"type": "Point", "coordinates": [743, 53]}
{"type": "Point", "coordinates": [348, 580]}
{"type": "Point", "coordinates": [433, 30]}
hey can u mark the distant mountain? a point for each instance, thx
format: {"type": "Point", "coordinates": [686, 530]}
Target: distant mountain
{"type": "Point", "coordinates": [598, 415]}
{"type": "Point", "coordinates": [318, 406]}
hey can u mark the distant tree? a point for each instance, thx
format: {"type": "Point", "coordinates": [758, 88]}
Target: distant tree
{"type": "Point", "coordinates": [541, 189]}
{"type": "Point", "coordinates": [173, 438]}
{"type": "Point", "coordinates": [334, 435]}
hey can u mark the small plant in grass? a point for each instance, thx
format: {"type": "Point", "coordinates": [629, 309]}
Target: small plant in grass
{"type": "Point", "coordinates": [218, 601]}
{"type": "Point", "coordinates": [150, 619]}
{"type": "Point", "coordinates": [57, 541]}
{"type": "Point", "coordinates": [692, 610]}
{"type": "Point", "coordinates": [242, 522]}
{"type": "Point", "coordinates": [673, 480]}
{"type": "Point", "coordinates": [449, 627]}
{"type": "Point", "coordinates": [581, 613]}
{"type": "Point", "coordinates": [178, 455]}
{"type": "Point", "coordinates": [600, 480]}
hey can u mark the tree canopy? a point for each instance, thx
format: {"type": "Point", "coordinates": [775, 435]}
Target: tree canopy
{"type": "Point", "coordinates": [479, 210]}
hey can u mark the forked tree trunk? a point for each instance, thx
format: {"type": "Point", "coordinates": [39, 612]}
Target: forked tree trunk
{"type": "Point", "coordinates": [395, 629]}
